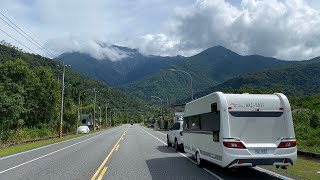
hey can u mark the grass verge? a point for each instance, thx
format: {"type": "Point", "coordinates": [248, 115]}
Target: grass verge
{"type": "Point", "coordinates": [304, 169]}
{"type": "Point", "coordinates": [28, 146]}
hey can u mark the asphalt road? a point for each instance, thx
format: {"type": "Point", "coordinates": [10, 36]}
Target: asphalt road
{"type": "Point", "coordinates": [125, 152]}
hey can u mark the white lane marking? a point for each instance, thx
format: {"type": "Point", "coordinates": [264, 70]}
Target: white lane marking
{"type": "Point", "coordinates": [13, 155]}
{"type": "Point", "coordinates": [51, 153]}
{"type": "Point", "coordinates": [210, 172]}
{"type": "Point", "coordinates": [161, 133]}
{"type": "Point", "coordinates": [272, 173]}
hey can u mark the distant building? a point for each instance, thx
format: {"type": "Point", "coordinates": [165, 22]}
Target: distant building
{"type": "Point", "coordinates": [87, 120]}
{"type": "Point", "coordinates": [176, 113]}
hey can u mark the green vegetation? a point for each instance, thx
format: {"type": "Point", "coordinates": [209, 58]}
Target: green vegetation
{"type": "Point", "coordinates": [300, 78]}
{"type": "Point", "coordinates": [30, 97]}
{"type": "Point", "coordinates": [306, 169]}
{"type": "Point", "coordinates": [115, 73]}
{"type": "Point", "coordinates": [208, 68]}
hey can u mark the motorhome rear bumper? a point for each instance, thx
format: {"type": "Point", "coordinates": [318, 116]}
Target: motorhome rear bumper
{"type": "Point", "coordinates": [280, 157]}
{"type": "Point", "coordinates": [267, 161]}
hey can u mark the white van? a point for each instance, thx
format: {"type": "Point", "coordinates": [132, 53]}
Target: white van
{"type": "Point", "coordinates": [234, 130]}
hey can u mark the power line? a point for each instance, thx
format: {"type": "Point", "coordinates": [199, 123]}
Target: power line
{"type": "Point", "coordinates": [18, 41]}
{"type": "Point", "coordinates": [34, 42]}
{"type": "Point", "coordinates": [26, 34]}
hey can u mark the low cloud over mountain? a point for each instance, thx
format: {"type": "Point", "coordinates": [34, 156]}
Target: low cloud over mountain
{"type": "Point", "coordinates": [286, 29]}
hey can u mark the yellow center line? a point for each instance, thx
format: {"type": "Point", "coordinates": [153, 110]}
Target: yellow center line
{"type": "Point", "coordinates": [102, 173]}
{"type": "Point", "coordinates": [106, 159]}
{"type": "Point", "coordinates": [117, 147]}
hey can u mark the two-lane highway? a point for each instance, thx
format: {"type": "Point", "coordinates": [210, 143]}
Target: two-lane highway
{"type": "Point", "coordinates": [125, 152]}
{"type": "Point", "coordinates": [74, 159]}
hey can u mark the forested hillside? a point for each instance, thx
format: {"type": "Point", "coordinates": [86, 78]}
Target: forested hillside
{"type": "Point", "coordinates": [208, 68]}
{"type": "Point", "coordinates": [133, 67]}
{"type": "Point", "coordinates": [301, 78]}
{"type": "Point", "coordinates": [30, 96]}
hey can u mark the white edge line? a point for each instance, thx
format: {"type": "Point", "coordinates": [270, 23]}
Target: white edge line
{"type": "Point", "coordinates": [213, 174]}
{"type": "Point", "coordinates": [272, 173]}
{"type": "Point", "coordinates": [51, 153]}
{"type": "Point", "coordinates": [13, 155]}
{"type": "Point", "coordinates": [208, 171]}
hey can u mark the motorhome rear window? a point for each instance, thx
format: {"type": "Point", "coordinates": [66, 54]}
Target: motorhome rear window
{"type": "Point", "coordinates": [255, 114]}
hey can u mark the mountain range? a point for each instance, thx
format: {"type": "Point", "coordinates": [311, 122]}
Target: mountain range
{"type": "Point", "coordinates": [213, 69]}
{"type": "Point", "coordinates": [114, 73]}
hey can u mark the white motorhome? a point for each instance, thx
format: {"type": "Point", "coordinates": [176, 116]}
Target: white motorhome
{"type": "Point", "coordinates": [234, 130]}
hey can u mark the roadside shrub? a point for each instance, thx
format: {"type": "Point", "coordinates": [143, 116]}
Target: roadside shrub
{"type": "Point", "coordinates": [26, 134]}
{"type": "Point", "coordinates": [315, 120]}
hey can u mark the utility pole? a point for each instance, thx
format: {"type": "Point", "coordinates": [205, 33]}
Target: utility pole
{"type": "Point", "coordinates": [100, 117]}
{"type": "Point", "coordinates": [161, 121]}
{"type": "Point", "coordinates": [106, 115]}
{"type": "Point", "coordinates": [62, 96]}
{"type": "Point", "coordinates": [127, 117]}
{"type": "Point", "coordinates": [110, 120]}
{"type": "Point", "coordinates": [114, 118]}
{"type": "Point", "coordinates": [78, 113]}
{"type": "Point", "coordinates": [79, 107]}
{"type": "Point", "coordinates": [94, 109]}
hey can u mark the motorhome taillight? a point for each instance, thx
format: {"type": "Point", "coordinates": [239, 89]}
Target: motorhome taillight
{"type": "Point", "coordinates": [231, 144]}
{"type": "Point", "coordinates": [181, 133]}
{"type": "Point", "coordinates": [287, 144]}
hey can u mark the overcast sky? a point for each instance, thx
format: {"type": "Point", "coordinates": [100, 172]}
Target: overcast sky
{"type": "Point", "coordinates": [285, 29]}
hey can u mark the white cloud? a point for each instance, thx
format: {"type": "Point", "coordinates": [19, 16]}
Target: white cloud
{"type": "Point", "coordinates": [94, 48]}
{"type": "Point", "coordinates": [57, 22]}
{"type": "Point", "coordinates": [287, 29]}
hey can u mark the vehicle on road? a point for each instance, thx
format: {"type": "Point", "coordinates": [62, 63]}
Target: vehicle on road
{"type": "Point", "coordinates": [233, 130]}
{"type": "Point", "coordinates": [83, 129]}
{"type": "Point", "coordinates": [175, 136]}
{"type": "Point", "coordinates": [150, 126]}
{"type": "Point", "coordinates": [131, 123]}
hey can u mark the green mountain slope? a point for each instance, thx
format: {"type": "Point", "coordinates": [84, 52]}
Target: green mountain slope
{"type": "Point", "coordinates": [114, 73]}
{"type": "Point", "coordinates": [295, 79]}
{"type": "Point", "coordinates": [208, 68]}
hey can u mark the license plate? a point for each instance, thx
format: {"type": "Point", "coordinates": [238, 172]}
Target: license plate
{"type": "Point", "coordinates": [261, 151]}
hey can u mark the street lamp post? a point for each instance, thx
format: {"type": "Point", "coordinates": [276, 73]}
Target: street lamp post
{"type": "Point", "coordinates": [178, 70]}
{"type": "Point", "coordinates": [62, 96]}
{"type": "Point", "coordinates": [162, 124]}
